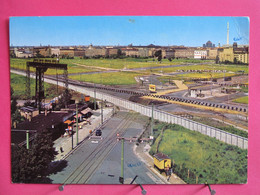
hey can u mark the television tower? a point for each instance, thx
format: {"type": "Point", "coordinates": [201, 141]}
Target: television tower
{"type": "Point", "coordinates": [228, 33]}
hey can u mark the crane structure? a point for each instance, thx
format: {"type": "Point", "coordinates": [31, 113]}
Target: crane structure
{"type": "Point", "coordinates": [41, 66]}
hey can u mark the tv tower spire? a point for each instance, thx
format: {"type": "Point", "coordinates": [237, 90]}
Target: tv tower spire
{"type": "Point", "coordinates": [228, 33]}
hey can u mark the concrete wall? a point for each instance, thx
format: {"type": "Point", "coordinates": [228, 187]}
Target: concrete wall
{"type": "Point", "coordinates": [169, 118]}
{"type": "Point", "coordinates": [160, 115]}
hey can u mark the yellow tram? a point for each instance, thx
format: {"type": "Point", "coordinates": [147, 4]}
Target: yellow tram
{"type": "Point", "coordinates": [162, 162]}
{"type": "Point", "coordinates": [152, 88]}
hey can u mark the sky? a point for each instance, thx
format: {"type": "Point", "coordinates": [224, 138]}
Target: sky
{"type": "Point", "coordinates": [125, 30]}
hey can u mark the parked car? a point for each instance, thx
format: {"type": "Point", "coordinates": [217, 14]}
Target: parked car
{"type": "Point", "coordinates": [98, 132]}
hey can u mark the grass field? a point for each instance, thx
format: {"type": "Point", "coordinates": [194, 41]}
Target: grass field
{"type": "Point", "coordinates": [104, 63]}
{"type": "Point", "coordinates": [126, 62]}
{"type": "Point", "coordinates": [241, 100]}
{"type": "Point", "coordinates": [78, 65]}
{"type": "Point", "coordinates": [18, 83]}
{"type": "Point", "coordinates": [205, 158]}
{"type": "Point", "coordinates": [114, 78]}
{"type": "Point", "coordinates": [72, 68]}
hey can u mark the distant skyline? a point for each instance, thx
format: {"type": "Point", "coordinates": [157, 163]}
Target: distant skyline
{"type": "Point", "coordinates": [124, 30]}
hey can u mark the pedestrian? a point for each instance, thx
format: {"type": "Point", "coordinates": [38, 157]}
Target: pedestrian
{"type": "Point", "coordinates": [61, 150]}
{"type": "Point", "coordinates": [170, 174]}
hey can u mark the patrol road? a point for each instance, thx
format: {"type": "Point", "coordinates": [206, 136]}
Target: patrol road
{"type": "Point", "coordinates": [84, 162]}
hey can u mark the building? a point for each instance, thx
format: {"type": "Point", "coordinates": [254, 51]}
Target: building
{"type": "Point", "coordinates": [184, 52]}
{"type": "Point", "coordinates": [209, 45]}
{"type": "Point", "coordinates": [200, 54]}
{"type": "Point", "coordinates": [79, 52]}
{"type": "Point", "coordinates": [212, 53]}
{"type": "Point", "coordinates": [143, 52]}
{"type": "Point", "coordinates": [92, 51]}
{"type": "Point", "coordinates": [55, 52]}
{"type": "Point", "coordinates": [168, 53]}
{"type": "Point", "coordinates": [29, 112]}
{"type": "Point", "coordinates": [67, 52]}
{"type": "Point", "coordinates": [22, 53]}
{"type": "Point", "coordinates": [234, 54]}
{"type": "Point", "coordinates": [54, 122]}
{"type": "Point", "coordinates": [42, 51]}
{"type": "Point", "coordinates": [133, 52]}
{"type": "Point", "coordinates": [111, 51]}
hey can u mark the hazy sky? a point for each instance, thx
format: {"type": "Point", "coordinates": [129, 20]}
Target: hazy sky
{"type": "Point", "coordinates": [125, 30]}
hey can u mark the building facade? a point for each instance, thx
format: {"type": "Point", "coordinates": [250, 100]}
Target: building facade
{"type": "Point", "coordinates": [66, 52]}
{"type": "Point", "coordinates": [183, 52]}
{"type": "Point", "coordinates": [234, 54]}
{"type": "Point", "coordinates": [212, 54]}
{"type": "Point", "coordinates": [200, 54]}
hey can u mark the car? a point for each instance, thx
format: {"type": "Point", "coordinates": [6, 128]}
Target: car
{"type": "Point", "coordinates": [98, 132]}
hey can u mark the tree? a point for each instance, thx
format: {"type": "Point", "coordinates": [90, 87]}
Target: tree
{"type": "Point", "coordinates": [159, 58]}
{"type": "Point", "coordinates": [217, 60]}
{"type": "Point", "coordinates": [30, 166]}
{"type": "Point", "coordinates": [158, 54]}
{"type": "Point", "coordinates": [15, 114]}
{"type": "Point", "coordinates": [119, 53]}
{"type": "Point", "coordinates": [235, 60]}
{"type": "Point", "coordinates": [64, 99]}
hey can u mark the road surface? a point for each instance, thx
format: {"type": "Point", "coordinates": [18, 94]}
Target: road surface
{"type": "Point", "coordinates": [100, 162]}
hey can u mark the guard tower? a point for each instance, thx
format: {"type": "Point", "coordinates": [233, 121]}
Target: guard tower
{"type": "Point", "coordinates": [41, 66]}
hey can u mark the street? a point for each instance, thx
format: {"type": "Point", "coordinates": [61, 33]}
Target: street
{"type": "Point", "coordinates": [99, 160]}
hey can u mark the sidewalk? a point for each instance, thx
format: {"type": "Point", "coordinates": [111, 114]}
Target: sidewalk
{"type": "Point", "coordinates": [144, 156]}
{"type": "Point", "coordinates": [66, 142]}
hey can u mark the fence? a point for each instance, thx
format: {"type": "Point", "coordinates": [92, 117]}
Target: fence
{"type": "Point", "coordinates": [160, 115]}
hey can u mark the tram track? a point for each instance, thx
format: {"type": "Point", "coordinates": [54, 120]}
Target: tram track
{"type": "Point", "coordinates": [96, 156]}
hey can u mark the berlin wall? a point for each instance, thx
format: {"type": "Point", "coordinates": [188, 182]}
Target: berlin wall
{"type": "Point", "coordinates": [160, 115]}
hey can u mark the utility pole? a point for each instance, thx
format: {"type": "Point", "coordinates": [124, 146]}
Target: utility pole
{"type": "Point", "coordinates": [122, 161]}
{"type": "Point", "coordinates": [102, 112]}
{"type": "Point", "coordinates": [95, 107]}
{"type": "Point", "coordinates": [123, 139]}
{"type": "Point", "coordinates": [71, 138]}
{"type": "Point", "coordinates": [152, 121]}
{"type": "Point", "coordinates": [57, 82]}
{"type": "Point", "coordinates": [27, 140]}
{"type": "Point", "coordinates": [77, 129]}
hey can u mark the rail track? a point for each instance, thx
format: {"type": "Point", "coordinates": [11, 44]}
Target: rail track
{"type": "Point", "coordinates": [163, 97]}
{"type": "Point", "coordinates": [95, 156]}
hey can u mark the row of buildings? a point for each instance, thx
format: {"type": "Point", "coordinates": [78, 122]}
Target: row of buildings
{"type": "Point", "coordinates": [234, 54]}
